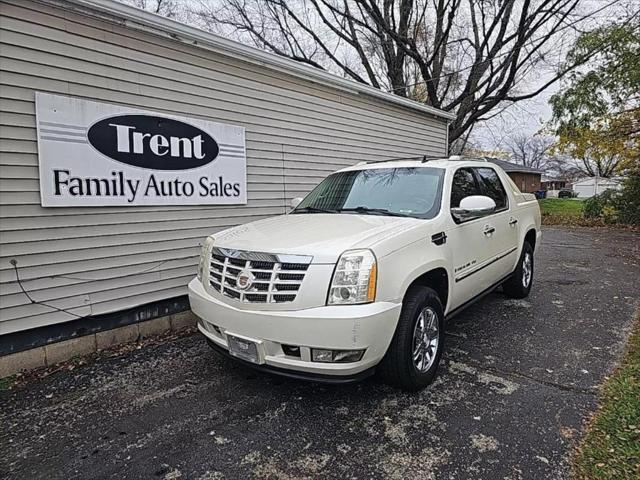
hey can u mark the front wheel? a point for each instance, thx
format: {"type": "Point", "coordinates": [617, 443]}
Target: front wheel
{"type": "Point", "coordinates": [519, 284]}
{"type": "Point", "coordinates": [412, 359]}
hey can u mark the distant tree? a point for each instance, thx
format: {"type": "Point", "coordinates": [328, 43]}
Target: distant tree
{"type": "Point", "coordinates": [563, 168]}
{"type": "Point", "coordinates": [471, 57]}
{"type": "Point", "coordinates": [597, 151]}
{"type": "Point", "coordinates": [597, 113]}
{"type": "Point", "coordinates": [530, 150]}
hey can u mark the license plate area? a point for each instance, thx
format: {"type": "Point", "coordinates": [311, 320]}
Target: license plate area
{"type": "Point", "coordinates": [243, 348]}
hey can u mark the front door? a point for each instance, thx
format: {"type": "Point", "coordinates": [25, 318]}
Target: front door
{"type": "Point", "coordinates": [469, 243]}
{"type": "Point", "coordinates": [505, 236]}
{"type": "Point", "coordinates": [483, 248]}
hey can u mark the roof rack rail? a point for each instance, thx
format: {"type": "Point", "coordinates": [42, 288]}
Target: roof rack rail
{"type": "Point", "coordinates": [463, 158]}
{"type": "Point", "coordinates": [426, 158]}
{"type": "Point", "coordinates": [422, 158]}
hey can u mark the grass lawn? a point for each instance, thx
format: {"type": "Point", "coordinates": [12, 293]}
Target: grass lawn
{"type": "Point", "coordinates": [565, 211]}
{"type": "Point", "coordinates": [561, 206]}
{"type": "Point", "coordinates": [611, 446]}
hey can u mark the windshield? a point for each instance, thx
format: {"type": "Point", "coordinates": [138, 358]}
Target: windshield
{"type": "Point", "coordinates": [412, 192]}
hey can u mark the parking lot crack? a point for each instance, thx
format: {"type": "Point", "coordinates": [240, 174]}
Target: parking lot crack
{"type": "Point", "coordinates": [479, 369]}
{"type": "Point", "coordinates": [559, 386]}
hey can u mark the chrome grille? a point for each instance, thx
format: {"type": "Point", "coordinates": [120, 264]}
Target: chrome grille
{"type": "Point", "coordinates": [275, 278]}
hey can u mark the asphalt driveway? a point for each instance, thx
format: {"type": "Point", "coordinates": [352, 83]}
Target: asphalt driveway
{"type": "Point", "coordinates": [517, 381]}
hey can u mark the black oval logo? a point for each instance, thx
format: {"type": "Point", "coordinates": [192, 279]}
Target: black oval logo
{"type": "Point", "coordinates": [152, 142]}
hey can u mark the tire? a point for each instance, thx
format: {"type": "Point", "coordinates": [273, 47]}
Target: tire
{"type": "Point", "coordinates": [398, 367]}
{"type": "Point", "coordinates": [519, 284]}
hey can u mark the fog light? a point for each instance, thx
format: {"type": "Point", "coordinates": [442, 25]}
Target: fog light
{"type": "Point", "coordinates": [344, 356]}
{"type": "Point", "coordinates": [336, 356]}
{"type": "Point", "coordinates": [318, 355]}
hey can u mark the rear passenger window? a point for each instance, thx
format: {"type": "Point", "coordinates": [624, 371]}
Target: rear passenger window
{"type": "Point", "coordinates": [492, 187]}
{"type": "Point", "coordinates": [464, 185]}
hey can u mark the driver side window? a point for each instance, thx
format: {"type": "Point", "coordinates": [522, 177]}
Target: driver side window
{"type": "Point", "coordinates": [464, 185]}
{"type": "Point", "coordinates": [492, 187]}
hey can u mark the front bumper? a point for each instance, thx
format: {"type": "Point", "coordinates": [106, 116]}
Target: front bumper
{"type": "Point", "coordinates": [346, 327]}
{"type": "Point", "coordinates": [296, 374]}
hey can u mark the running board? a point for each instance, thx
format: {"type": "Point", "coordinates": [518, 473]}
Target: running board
{"type": "Point", "coordinates": [473, 300]}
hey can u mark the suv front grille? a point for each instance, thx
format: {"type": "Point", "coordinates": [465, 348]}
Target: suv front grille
{"type": "Point", "coordinates": [273, 278]}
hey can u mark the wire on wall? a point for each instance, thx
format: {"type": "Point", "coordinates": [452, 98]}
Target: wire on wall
{"type": "Point", "coordinates": [14, 262]}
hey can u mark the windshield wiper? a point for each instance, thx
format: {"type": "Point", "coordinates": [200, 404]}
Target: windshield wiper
{"type": "Point", "coordinates": [313, 210]}
{"type": "Point", "coordinates": [380, 211]}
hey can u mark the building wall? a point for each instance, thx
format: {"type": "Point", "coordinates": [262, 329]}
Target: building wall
{"type": "Point", "coordinates": [92, 261]}
{"type": "Point", "coordinates": [526, 182]}
{"type": "Point", "coordinates": [589, 187]}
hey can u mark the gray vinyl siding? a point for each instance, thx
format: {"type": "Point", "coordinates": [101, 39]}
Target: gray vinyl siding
{"type": "Point", "coordinates": [91, 261]}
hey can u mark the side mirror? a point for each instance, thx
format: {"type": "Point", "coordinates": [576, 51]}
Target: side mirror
{"type": "Point", "coordinates": [474, 206]}
{"type": "Point", "coordinates": [295, 202]}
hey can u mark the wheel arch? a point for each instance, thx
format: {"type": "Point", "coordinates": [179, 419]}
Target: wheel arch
{"type": "Point", "coordinates": [531, 236]}
{"type": "Point", "coordinates": [436, 278]}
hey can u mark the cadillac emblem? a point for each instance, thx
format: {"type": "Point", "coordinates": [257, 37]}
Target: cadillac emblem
{"type": "Point", "coordinates": [245, 280]}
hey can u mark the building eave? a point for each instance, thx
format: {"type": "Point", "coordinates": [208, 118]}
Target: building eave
{"type": "Point", "coordinates": [138, 19]}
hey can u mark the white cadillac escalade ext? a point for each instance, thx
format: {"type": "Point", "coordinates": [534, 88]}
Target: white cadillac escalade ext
{"type": "Point", "coordinates": [361, 275]}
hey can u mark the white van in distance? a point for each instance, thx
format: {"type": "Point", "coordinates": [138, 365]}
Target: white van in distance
{"type": "Point", "coordinates": [361, 275]}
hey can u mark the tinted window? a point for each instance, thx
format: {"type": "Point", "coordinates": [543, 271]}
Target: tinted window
{"type": "Point", "coordinates": [464, 185]}
{"type": "Point", "coordinates": [492, 186]}
{"type": "Point", "coordinates": [414, 192]}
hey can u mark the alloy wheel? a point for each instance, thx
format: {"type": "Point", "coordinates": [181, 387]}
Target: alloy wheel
{"type": "Point", "coordinates": [426, 336]}
{"type": "Point", "coordinates": [527, 269]}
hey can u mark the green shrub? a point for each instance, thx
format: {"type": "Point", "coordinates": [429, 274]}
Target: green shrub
{"type": "Point", "coordinates": [617, 206]}
{"type": "Point", "coordinates": [595, 206]}
{"type": "Point", "coordinates": [628, 205]}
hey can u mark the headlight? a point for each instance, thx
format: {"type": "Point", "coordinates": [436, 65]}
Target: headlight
{"type": "Point", "coordinates": [204, 255]}
{"type": "Point", "coordinates": [354, 280]}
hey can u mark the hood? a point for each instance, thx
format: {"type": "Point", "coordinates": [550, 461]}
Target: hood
{"type": "Point", "coordinates": [323, 236]}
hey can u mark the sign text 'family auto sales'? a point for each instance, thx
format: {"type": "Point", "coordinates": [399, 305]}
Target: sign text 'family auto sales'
{"type": "Point", "coordinates": [97, 154]}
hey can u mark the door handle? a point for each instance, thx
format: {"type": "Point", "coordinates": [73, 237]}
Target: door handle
{"type": "Point", "coordinates": [513, 221]}
{"type": "Point", "coordinates": [488, 230]}
{"type": "Point", "coordinates": [439, 238]}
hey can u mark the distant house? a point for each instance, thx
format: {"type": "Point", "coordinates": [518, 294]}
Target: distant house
{"type": "Point", "coordinates": [590, 186]}
{"type": "Point", "coordinates": [551, 183]}
{"type": "Point", "coordinates": [526, 178]}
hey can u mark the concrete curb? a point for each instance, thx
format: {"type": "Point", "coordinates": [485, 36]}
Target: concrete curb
{"type": "Point", "coordinates": [53, 353]}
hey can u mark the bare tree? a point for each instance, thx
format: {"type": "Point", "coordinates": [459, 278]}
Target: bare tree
{"type": "Point", "coordinates": [563, 167]}
{"type": "Point", "coordinates": [601, 166]}
{"type": "Point", "coordinates": [471, 57]}
{"type": "Point", "coordinates": [166, 8]}
{"type": "Point", "coordinates": [530, 151]}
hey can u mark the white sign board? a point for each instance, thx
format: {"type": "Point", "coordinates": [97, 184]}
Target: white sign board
{"type": "Point", "coordinates": [97, 154]}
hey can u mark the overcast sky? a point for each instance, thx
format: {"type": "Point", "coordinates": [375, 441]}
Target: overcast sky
{"type": "Point", "coordinates": [527, 117]}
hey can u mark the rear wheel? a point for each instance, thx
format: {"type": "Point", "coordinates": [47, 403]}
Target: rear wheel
{"type": "Point", "coordinates": [412, 359]}
{"type": "Point", "coordinates": [519, 285]}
